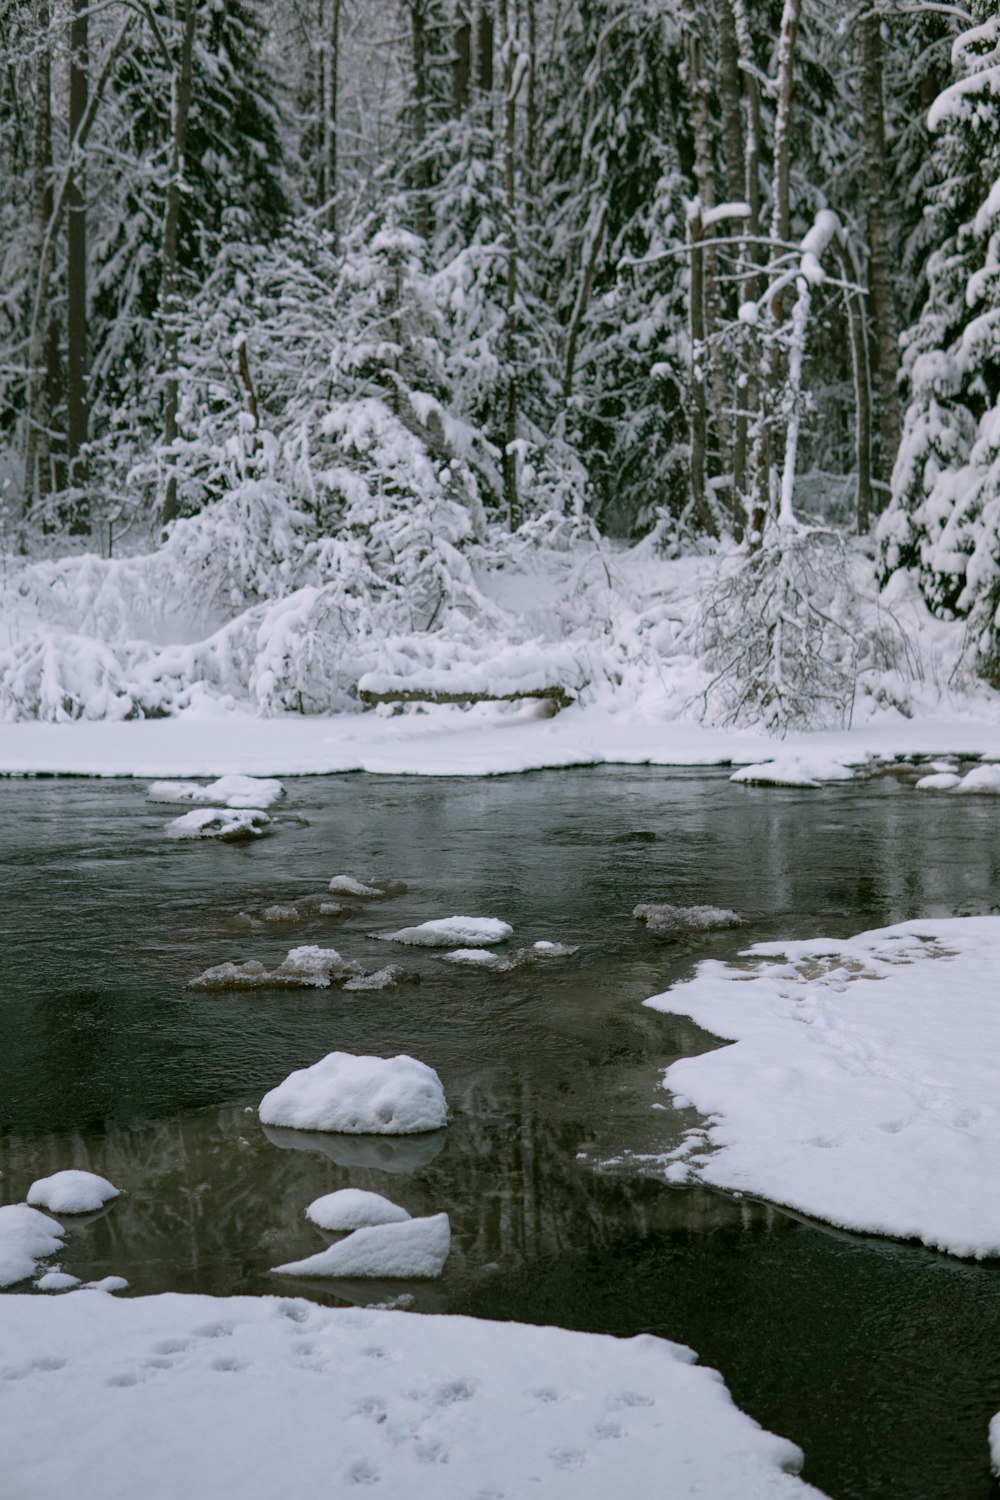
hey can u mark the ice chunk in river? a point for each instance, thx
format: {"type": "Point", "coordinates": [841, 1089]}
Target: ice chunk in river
{"type": "Point", "coordinates": [359, 1096]}
{"type": "Point", "coordinates": [228, 791]}
{"type": "Point", "coordinates": [673, 920]}
{"type": "Point", "coordinates": [382, 979]}
{"type": "Point", "coordinates": [251, 975]}
{"type": "Point", "coordinates": [26, 1237]}
{"type": "Point", "coordinates": [418, 1247]}
{"type": "Point", "coordinates": [72, 1192]}
{"type": "Point", "coordinates": [350, 1208]}
{"type": "Point", "coordinates": [219, 823]}
{"type": "Point", "coordinates": [446, 932]}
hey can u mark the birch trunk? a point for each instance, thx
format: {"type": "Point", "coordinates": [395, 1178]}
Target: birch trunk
{"type": "Point", "coordinates": [879, 270]}
{"type": "Point", "coordinates": [77, 415]}
{"type": "Point", "coordinates": [169, 295]}
{"type": "Point", "coordinates": [39, 416]}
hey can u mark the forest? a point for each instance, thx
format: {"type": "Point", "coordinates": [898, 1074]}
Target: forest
{"type": "Point", "coordinates": [320, 319]}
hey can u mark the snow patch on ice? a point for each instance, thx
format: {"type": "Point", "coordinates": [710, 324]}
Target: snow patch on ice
{"type": "Point", "coordinates": [673, 920]}
{"type": "Point", "coordinates": [351, 1208]}
{"type": "Point", "coordinates": [358, 1096]}
{"type": "Point", "coordinates": [469, 932]}
{"type": "Point", "coordinates": [861, 1083]}
{"type": "Point", "coordinates": [72, 1192]}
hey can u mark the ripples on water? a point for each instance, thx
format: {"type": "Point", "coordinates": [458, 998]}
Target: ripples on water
{"type": "Point", "coordinates": [881, 1360]}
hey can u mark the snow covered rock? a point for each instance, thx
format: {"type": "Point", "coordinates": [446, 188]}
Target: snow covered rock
{"type": "Point", "coordinates": [364, 890]}
{"type": "Point", "coordinates": [310, 966]}
{"type": "Point", "coordinates": [939, 781]}
{"type": "Point", "coordinates": [791, 769]}
{"type": "Point", "coordinates": [861, 1083]}
{"type": "Point", "coordinates": [444, 932]}
{"type": "Point", "coordinates": [279, 913]}
{"type": "Point", "coordinates": [382, 979]}
{"type": "Point", "coordinates": [223, 823]}
{"type": "Point", "coordinates": [475, 958]}
{"type": "Point", "coordinates": [414, 1248]}
{"type": "Point", "coordinates": [228, 791]}
{"type": "Point", "coordinates": [984, 778]}
{"type": "Point", "coordinates": [72, 1192]}
{"type": "Point", "coordinates": [57, 1281]}
{"type": "Point", "coordinates": [251, 975]}
{"type": "Point", "coordinates": [673, 920]}
{"type": "Point", "coordinates": [406, 1406]}
{"type": "Point", "coordinates": [350, 1208]}
{"type": "Point", "coordinates": [26, 1237]}
{"type": "Point", "coordinates": [359, 1096]}
{"type": "Point", "coordinates": [544, 949]}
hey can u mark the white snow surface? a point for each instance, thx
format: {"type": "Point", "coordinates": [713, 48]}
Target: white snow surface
{"type": "Point", "coordinates": [861, 1086]}
{"type": "Point", "coordinates": [794, 768]}
{"type": "Point", "coordinates": [98, 1391]}
{"type": "Point", "coordinates": [219, 823]}
{"type": "Point", "coordinates": [226, 791]}
{"type": "Point", "coordinates": [72, 1192]}
{"type": "Point", "coordinates": [359, 1096]}
{"type": "Point", "coordinates": [468, 932]}
{"type": "Point", "coordinates": [415, 1248]}
{"type": "Point", "coordinates": [352, 1208]}
{"type": "Point", "coordinates": [26, 1237]}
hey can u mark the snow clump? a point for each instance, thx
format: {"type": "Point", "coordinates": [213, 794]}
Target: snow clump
{"type": "Point", "coordinates": [366, 890]}
{"type": "Point", "coordinates": [57, 1281]}
{"type": "Point", "coordinates": [26, 1237]}
{"type": "Point", "coordinates": [228, 791]}
{"type": "Point", "coordinates": [940, 781]}
{"type": "Point", "coordinates": [223, 823]}
{"type": "Point", "coordinates": [672, 920]}
{"type": "Point", "coordinates": [382, 979]}
{"type": "Point", "coordinates": [985, 778]}
{"type": "Point", "coordinates": [476, 958]}
{"type": "Point", "coordinates": [790, 769]}
{"type": "Point", "coordinates": [359, 1096]}
{"type": "Point", "coordinates": [350, 1208]}
{"type": "Point", "coordinates": [416, 1248]}
{"type": "Point", "coordinates": [479, 932]}
{"type": "Point", "coordinates": [72, 1192]}
{"type": "Point", "coordinates": [308, 967]}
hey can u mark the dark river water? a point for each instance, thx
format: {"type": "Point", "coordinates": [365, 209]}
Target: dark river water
{"type": "Point", "coordinates": [880, 1359]}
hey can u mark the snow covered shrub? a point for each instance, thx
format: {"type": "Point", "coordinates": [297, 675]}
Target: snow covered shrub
{"type": "Point", "coordinates": [779, 632]}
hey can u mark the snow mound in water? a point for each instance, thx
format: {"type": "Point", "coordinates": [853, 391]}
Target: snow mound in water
{"type": "Point", "coordinates": [861, 1083]}
{"type": "Point", "coordinates": [350, 1208]}
{"type": "Point", "coordinates": [228, 791]}
{"type": "Point", "coordinates": [478, 932]}
{"type": "Point", "coordinates": [939, 781]}
{"type": "Point", "coordinates": [790, 769]}
{"type": "Point", "coordinates": [26, 1237]}
{"type": "Point", "coordinates": [513, 1409]}
{"type": "Point", "coordinates": [307, 967]}
{"type": "Point", "coordinates": [251, 975]}
{"type": "Point", "coordinates": [72, 1192]}
{"type": "Point", "coordinates": [359, 1096]}
{"type": "Point", "coordinates": [280, 914]}
{"type": "Point", "coordinates": [673, 920]}
{"type": "Point", "coordinates": [416, 1248]}
{"type": "Point", "coordinates": [219, 823]}
{"type": "Point", "coordinates": [382, 979]}
{"type": "Point", "coordinates": [544, 949]}
{"type": "Point", "coordinates": [475, 958]}
{"type": "Point", "coordinates": [985, 778]}
{"type": "Point", "coordinates": [366, 890]}
{"type": "Point", "coordinates": [57, 1281]}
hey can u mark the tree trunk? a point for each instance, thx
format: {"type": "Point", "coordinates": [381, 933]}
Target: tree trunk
{"type": "Point", "coordinates": [421, 171]}
{"type": "Point", "coordinates": [169, 294]}
{"type": "Point", "coordinates": [461, 60]}
{"type": "Point", "coordinates": [879, 272]}
{"type": "Point", "coordinates": [747, 395]}
{"type": "Point", "coordinates": [781, 214]}
{"type": "Point", "coordinates": [484, 50]}
{"type": "Point", "coordinates": [729, 100]}
{"type": "Point", "coordinates": [860, 368]}
{"type": "Point", "coordinates": [508, 57]}
{"type": "Point", "coordinates": [77, 415]}
{"type": "Point", "coordinates": [39, 417]}
{"type": "Point", "coordinates": [331, 69]}
{"type": "Point", "coordinates": [697, 402]}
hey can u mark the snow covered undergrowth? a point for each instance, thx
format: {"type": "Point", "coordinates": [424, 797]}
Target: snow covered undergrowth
{"type": "Point", "coordinates": [861, 1085]}
{"type": "Point", "coordinates": [207, 628]}
{"type": "Point", "coordinates": [282, 1397]}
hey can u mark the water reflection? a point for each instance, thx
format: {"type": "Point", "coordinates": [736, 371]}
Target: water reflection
{"type": "Point", "coordinates": [381, 1153]}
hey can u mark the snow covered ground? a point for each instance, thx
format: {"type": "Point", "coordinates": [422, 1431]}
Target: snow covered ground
{"type": "Point", "coordinates": [861, 1086]}
{"type": "Point", "coordinates": [273, 1399]}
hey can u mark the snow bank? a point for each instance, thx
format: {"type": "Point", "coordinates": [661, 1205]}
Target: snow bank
{"type": "Point", "coordinates": [227, 791]}
{"type": "Point", "coordinates": [509, 670]}
{"type": "Point", "coordinates": [277, 1397]}
{"type": "Point", "coordinates": [219, 823]}
{"type": "Point", "coordinates": [794, 769]}
{"type": "Point", "coordinates": [416, 1248]}
{"type": "Point", "coordinates": [72, 1192]}
{"type": "Point", "coordinates": [861, 1086]}
{"type": "Point", "coordinates": [444, 931]}
{"type": "Point", "coordinates": [673, 920]}
{"type": "Point", "coordinates": [350, 1208]}
{"type": "Point", "coordinates": [359, 1096]}
{"type": "Point", "coordinates": [26, 1237]}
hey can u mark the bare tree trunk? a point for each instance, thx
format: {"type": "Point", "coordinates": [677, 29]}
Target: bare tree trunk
{"type": "Point", "coordinates": [593, 241]}
{"type": "Point", "coordinates": [697, 403]}
{"type": "Point", "coordinates": [39, 416]}
{"type": "Point", "coordinates": [461, 60]}
{"type": "Point", "coordinates": [484, 50]}
{"type": "Point", "coordinates": [860, 368]}
{"type": "Point", "coordinates": [510, 82]}
{"type": "Point", "coordinates": [330, 73]}
{"type": "Point", "coordinates": [747, 396]}
{"type": "Point", "coordinates": [880, 279]}
{"type": "Point", "coordinates": [77, 415]}
{"type": "Point", "coordinates": [421, 173]}
{"type": "Point", "coordinates": [781, 213]}
{"type": "Point", "coordinates": [729, 100]}
{"type": "Point", "coordinates": [181, 85]}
